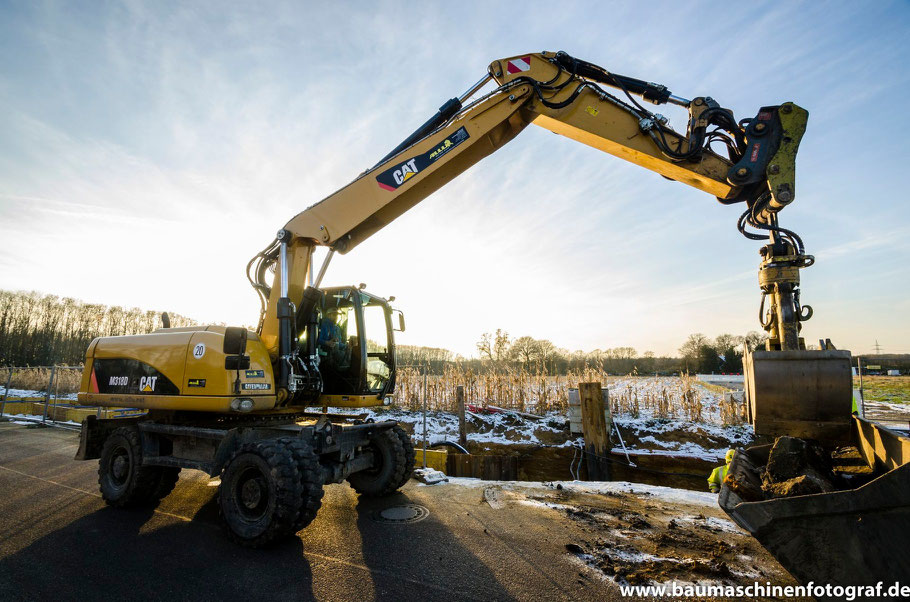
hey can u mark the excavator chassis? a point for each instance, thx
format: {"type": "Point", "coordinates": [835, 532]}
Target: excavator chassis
{"type": "Point", "coordinates": [297, 454]}
{"type": "Point", "coordinates": [851, 537]}
{"type": "Point", "coordinates": [207, 448]}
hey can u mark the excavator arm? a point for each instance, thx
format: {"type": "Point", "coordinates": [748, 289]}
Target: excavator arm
{"type": "Point", "coordinates": [569, 97]}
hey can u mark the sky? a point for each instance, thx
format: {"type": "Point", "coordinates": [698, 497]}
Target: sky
{"type": "Point", "coordinates": [149, 149]}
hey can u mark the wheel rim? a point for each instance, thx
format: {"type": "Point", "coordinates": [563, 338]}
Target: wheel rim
{"type": "Point", "coordinates": [252, 494]}
{"type": "Point", "coordinates": [120, 467]}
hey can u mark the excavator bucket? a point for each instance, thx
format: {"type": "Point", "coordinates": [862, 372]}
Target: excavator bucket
{"type": "Point", "coordinates": [837, 537]}
{"type": "Point", "coordinates": [805, 394]}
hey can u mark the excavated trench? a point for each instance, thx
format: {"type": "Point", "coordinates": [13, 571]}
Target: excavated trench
{"type": "Point", "coordinates": [536, 463]}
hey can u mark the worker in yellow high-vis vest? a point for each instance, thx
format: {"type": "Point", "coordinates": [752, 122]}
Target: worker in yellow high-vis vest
{"type": "Point", "coordinates": [718, 474]}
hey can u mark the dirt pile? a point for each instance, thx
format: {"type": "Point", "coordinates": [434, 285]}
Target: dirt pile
{"type": "Point", "coordinates": [793, 467]}
{"type": "Point", "coordinates": [797, 467]}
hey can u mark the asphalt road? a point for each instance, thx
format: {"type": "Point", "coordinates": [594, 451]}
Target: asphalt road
{"type": "Point", "coordinates": [58, 540]}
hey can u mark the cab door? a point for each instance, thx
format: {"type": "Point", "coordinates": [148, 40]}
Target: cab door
{"type": "Point", "coordinates": [379, 344]}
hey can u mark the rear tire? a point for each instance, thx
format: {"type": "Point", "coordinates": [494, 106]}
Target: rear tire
{"type": "Point", "coordinates": [310, 481]}
{"type": "Point", "coordinates": [387, 475]}
{"type": "Point", "coordinates": [408, 455]}
{"type": "Point", "coordinates": [123, 481]}
{"type": "Point", "coordinates": [260, 493]}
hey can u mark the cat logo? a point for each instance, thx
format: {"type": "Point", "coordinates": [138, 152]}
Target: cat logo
{"type": "Point", "coordinates": [147, 384]}
{"type": "Point", "coordinates": [396, 176]}
{"type": "Point", "coordinates": [405, 171]}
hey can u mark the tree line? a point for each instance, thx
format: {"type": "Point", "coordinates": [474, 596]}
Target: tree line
{"type": "Point", "coordinates": [41, 330]}
{"type": "Point", "coordinates": [499, 351]}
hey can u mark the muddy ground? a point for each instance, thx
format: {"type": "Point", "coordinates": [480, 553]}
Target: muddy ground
{"type": "Point", "coordinates": [636, 534]}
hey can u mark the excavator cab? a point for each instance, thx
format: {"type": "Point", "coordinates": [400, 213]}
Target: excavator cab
{"type": "Point", "coordinates": [355, 346]}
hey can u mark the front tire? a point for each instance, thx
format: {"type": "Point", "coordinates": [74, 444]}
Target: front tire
{"type": "Point", "coordinates": [387, 474]}
{"type": "Point", "coordinates": [260, 493]}
{"type": "Point", "coordinates": [311, 491]}
{"type": "Point", "coordinates": [123, 480]}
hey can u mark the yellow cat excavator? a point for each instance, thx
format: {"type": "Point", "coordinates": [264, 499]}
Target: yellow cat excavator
{"type": "Point", "coordinates": [234, 403]}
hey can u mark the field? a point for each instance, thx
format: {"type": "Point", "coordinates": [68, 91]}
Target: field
{"type": "Point", "coordinates": [664, 415]}
{"type": "Point", "coordinates": [889, 389]}
{"type": "Point", "coordinates": [667, 415]}
{"type": "Point", "coordinates": [32, 383]}
{"type": "Point", "coordinates": [675, 398]}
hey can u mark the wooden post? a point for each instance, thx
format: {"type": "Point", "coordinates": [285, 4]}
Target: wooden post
{"type": "Point", "coordinates": [594, 429]}
{"type": "Point", "coordinates": [462, 429]}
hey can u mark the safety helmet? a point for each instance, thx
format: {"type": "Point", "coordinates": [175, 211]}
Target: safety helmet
{"type": "Point", "coordinates": [729, 456]}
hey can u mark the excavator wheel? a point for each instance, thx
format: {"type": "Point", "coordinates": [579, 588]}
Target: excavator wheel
{"type": "Point", "coordinates": [260, 493]}
{"type": "Point", "coordinates": [124, 482]}
{"type": "Point", "coordinates": [310, 481]}
{"type": "Point", "coordinates": [408, 455]}
{"type": "Point", "coordinates": [388, 473]}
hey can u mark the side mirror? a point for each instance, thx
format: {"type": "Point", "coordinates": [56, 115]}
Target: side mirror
{"type": "Point", "coordinates": [234, 340]}
{"type": "Point", "coordinates": [400, 321]}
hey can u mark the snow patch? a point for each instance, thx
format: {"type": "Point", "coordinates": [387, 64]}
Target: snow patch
{"type": "Point", "coordinates": [28, 419]}
{"type": "Point", "coordinates": [430, 476]}
{"type": "Point", "coordinates": [711, 522]}
{"type": "Point", "coordinates": [30, 395]}
{"type": "Point", "coordinates": [668, 494]}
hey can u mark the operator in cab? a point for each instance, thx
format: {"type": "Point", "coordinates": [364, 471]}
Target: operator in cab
{"type": "Point", "coordinates": [333, 344]}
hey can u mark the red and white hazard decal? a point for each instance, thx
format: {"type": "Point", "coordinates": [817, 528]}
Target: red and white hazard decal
{"type": "Point", "coordinates": [518, 65]}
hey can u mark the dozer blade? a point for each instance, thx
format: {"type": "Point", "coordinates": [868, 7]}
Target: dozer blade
{"type": "Point", "coordinates": [805, 394]}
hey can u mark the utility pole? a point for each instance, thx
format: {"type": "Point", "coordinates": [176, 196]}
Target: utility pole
{"type": "Point", "coordinates": [878, 348]}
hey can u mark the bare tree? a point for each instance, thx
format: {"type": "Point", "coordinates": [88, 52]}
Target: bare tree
{"type": "Point", "coordinates": [524, 350]}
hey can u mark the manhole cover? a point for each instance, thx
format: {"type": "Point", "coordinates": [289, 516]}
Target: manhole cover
{"type": "Point", "coordinates": [408, 513]}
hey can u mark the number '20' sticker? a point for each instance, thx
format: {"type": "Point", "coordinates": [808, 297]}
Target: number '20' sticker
{"type": "Point", "coordinates": [199, 351]}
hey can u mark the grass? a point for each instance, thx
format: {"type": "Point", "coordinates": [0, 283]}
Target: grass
{"type": "Point", "coordinates": [890, 389]}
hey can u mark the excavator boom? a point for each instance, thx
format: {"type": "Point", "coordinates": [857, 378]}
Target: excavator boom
{"type": "Point", "coordinates": [566, 96]}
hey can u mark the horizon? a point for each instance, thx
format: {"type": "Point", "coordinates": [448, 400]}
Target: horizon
{"type": "Point", "coordinates": [639, 353]}
{"type": "Point", "coordinates": [149, 152]}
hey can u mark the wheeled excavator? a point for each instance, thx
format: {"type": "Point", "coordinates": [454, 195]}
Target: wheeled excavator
{"type": "Point", "coordinates": [251, 406]}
